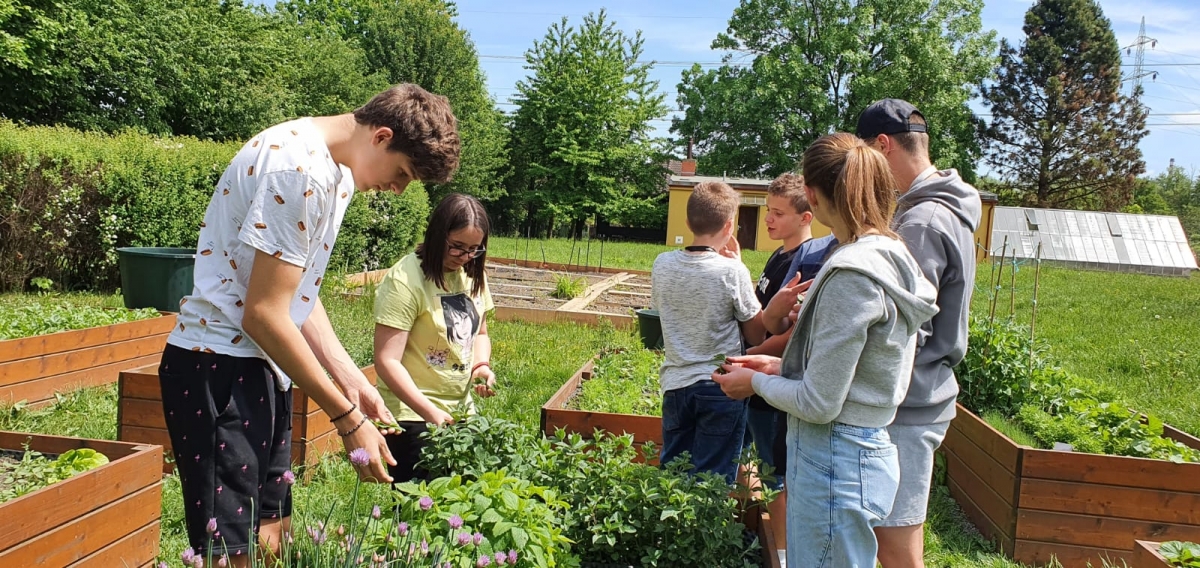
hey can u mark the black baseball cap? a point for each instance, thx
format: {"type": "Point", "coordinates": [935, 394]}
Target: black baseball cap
{"type": "Point", "coordinates": [888, 116]}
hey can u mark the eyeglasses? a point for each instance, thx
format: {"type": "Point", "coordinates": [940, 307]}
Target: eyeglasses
{"type": "Point", "coordinates": [469, 253]}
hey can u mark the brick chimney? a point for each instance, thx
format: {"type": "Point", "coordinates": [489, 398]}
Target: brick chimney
{"type": "Point", "coordinates": [688, 168]}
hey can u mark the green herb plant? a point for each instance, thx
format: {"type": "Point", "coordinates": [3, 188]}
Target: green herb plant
{"type": "Point", "coordinates": [1186, 554]}
{"type": "Point", "coordinates": [624, 381]}
{"type": "Point", "coordinates": [1005, 374]}
{"type": "Point", "coordinates": [35, 471]}
{"type": "Point", "coordinates": [567, 288]}
{"type": "Point", "coordinates": [509, 514]}
{"type": "Point", "coordinates": [43, 317]}
{"type": "Point", "coordinates": [620, 509]}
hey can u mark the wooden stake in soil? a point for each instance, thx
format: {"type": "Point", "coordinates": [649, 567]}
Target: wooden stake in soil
{"type": "Point", "coordinates": [1012, 288]}
{"type": "Point", "coordinates": [995, 292]}
{"type": "Point", "coordinates": [1037, 278]}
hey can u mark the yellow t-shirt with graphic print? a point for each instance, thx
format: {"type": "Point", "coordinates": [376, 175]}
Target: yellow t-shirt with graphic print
{"type": "Point", "coordinates": [442, 326]}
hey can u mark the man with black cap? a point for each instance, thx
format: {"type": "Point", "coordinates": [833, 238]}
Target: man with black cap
{"type": "Point", "coordinates": [936, 216]}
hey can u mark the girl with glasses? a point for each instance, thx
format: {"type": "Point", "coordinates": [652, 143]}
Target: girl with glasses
{"type": "Point", "coordinates": [431, 343]}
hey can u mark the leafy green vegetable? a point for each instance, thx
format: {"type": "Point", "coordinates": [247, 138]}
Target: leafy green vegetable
{"type": "Point", "coordinates": [719, 359]}
{"type": "Point", "coordinates": [34, 471]}
{"type": "Point", "coordinates": [48, 314]}
{"type": "Point", "coordinates": [1179, 553]}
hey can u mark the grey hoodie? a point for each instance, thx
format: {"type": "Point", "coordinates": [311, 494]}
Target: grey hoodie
{"type": "Point", "coordinates": [850, 357]}
{"type": "Point", "coordinates": [937, 218]}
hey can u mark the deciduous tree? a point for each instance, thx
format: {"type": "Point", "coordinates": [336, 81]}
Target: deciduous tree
{"type": "Point", "coordinates": [582, 142]}
{"type": "Point", "coordinates": [799, 69]}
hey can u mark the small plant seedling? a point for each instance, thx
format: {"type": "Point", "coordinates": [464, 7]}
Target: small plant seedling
{"type": "Point", "coordinates": [720, 360]}
{"type": "Point", "coordinates": [567, 288]}
{"type": "Point", "coordinates": [381, 425]}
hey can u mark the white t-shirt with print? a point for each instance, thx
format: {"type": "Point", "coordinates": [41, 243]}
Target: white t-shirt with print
{"type": "Point", "coordinates": [284, 195]}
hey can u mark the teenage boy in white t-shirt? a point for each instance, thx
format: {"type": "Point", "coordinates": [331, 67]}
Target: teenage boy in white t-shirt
{"type": "Point", "coordinates": [254, 322]}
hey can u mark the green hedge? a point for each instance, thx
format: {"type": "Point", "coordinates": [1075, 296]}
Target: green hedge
{"type": "Point", "coordinates": [68, 199]}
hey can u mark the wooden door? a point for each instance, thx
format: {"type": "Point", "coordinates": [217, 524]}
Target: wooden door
{"type": "Point", "coordinates": [747, 227]}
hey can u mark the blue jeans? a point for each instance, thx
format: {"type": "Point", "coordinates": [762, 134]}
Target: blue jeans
{"type": "Point", "coordinates": [767, 427]}
{"type": "Point", "coordinates": [701, 420]}
{"type": "Point", "coordinates": [841, 483]}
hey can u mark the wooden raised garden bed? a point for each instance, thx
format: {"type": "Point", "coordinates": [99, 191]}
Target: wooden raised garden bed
{"type": "Point", "coordinates": [104, 517]}
{"type": "Point", "coordinates": [1076, 507]}
{"type": "Point", "coordinates": [1145, 555]}
{"type": "Point", "coordinates": [555, 415]}
{"type": "Point", "coordinates": [34, 368]}
{"type": "Point", "coordinates": [140, 418]}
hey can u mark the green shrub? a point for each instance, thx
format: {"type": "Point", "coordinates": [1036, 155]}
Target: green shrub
{"type": "Point", "coordinates": [380, 227]}
{"type": "Point", "coordinates": [68, 199]}
{"type": "Point", "coordinates": [997, 370]}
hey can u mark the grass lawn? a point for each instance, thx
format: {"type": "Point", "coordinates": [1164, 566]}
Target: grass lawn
{"type": "Point", "coordinates": [618, 254]}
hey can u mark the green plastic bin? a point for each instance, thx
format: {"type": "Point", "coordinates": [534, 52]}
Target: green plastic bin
{"type": "Point", "coordinates": [154, 277]}
{"type": "Point", "coordinates": [650, 328]}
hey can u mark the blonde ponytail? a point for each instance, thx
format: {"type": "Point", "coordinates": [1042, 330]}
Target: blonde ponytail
{"type": "Point", "coordinates": [855, 179]}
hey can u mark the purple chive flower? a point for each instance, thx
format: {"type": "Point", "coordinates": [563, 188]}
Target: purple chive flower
{"type": "Point", "coordinates": [483, 561]}
{"type": "Point", "coordinates": [211, 527]}
{"type": "Point", "coordinates": [512, 558]}
{"type": "Point", "coordinates": [426, 503]}
{"type": "Point", "coordinates": [289, 477]}
{"type": "Point", "coordinates": [464, 538]}
{"type": "Point", "coordinates": [447, 565]}
{"type": "Point", "coordinates": [359, 456]}
{"type": "Point", "coordinates": [317, 535]}
{"type": "Point", "coordinates": [424, 546]}
{"type": "Point", "coordinates": [477, 538]}
{"type": "Point", "coordinates": [455, 522]}
{"type": "Point", "coordinates": [402, 529]}
{"type": "Point", "coordinates": [163, 565]}
{"type": "Point", "coordinates": [500, 558]}
{"type": "Point", "coordinates": [223, 562]}
{"type": "Point", "coordinates": [198, 563]}
{"type": "Point", "coordinates": [376, 513]}
{"type": "Point", "coordinates": [188, 556]}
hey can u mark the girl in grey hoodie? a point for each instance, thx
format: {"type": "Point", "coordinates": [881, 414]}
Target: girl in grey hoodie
{"type": "Point", "coordinates": [848, 364]}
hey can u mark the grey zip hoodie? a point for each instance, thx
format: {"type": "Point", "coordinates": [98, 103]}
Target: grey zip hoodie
{"type": "Point", "coordinates": [937, 218]}
{"type": "Point", "coordinates": [850, 357]}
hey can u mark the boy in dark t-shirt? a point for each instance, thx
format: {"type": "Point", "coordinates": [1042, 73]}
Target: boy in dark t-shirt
{"type": "Point", "coordinates": [789, 220]}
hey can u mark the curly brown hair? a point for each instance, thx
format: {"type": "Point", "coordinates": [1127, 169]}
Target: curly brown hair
{"type": "Point", "coordinates": [423, 128]}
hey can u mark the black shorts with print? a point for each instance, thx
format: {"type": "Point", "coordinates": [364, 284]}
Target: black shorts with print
{"type": "Point", "coordinates": [231, 433]}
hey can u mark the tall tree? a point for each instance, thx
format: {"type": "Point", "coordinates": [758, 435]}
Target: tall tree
{"type": "Point", "coordinates": [804, 68]}
{"type": "Point", "coordinates": [417, 41]}
{"type": "Point", "coordinates": [582, 142]}
{"type": "Point", "coordinates": [198, 67]}
{"type": "Point", "coordinates": [1062, 134]}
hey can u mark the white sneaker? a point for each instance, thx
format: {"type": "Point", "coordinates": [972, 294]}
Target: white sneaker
{"type": "Point", "coordinates": [782, 558]}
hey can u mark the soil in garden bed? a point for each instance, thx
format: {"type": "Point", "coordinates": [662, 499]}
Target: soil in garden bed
{"type": "Point", "coordinates": [522, 287]}
{"type": "Point", "coordinates": [624, 298]}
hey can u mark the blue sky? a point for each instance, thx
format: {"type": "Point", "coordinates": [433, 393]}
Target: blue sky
{"type": "Point", "coordinates": [678, 31]}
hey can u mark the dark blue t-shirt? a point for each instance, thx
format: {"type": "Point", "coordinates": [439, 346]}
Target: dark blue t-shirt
{"type": "Point", "coordinates": [810, 257]}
